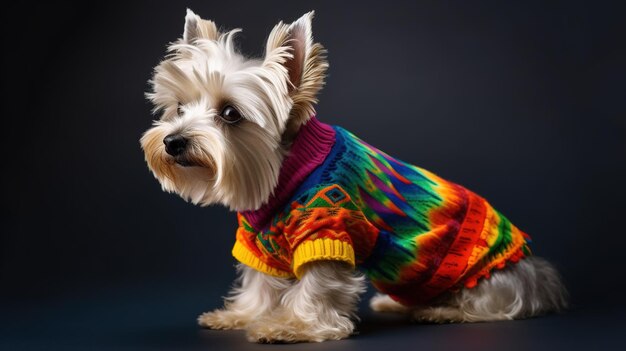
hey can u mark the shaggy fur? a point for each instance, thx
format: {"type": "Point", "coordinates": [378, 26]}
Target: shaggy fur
{"type": "Point", "coordinates": [238, 166]}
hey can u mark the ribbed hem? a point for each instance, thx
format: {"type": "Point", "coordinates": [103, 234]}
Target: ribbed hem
{"type": "Point", "coordinates": [511, 255]}
{"type": "Point", "coordinates": [245, 256]}
{"type": "Point", "coordinates": [322, 250]}
{"type": "Point", "coordinates": [308, 150]}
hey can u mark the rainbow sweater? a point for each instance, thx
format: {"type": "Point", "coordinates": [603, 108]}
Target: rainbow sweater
{"type": "Point", "coordinates": [414, 234]}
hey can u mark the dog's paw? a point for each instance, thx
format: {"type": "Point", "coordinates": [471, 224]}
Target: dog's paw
{"type": "Point", "coordinates": [384, 303]}
{"type": "Point", "coordinates": [223, 319]}
{"type": "Point", "coordinates": [438, 315]}
{"type": "Point", "coordinates": [283, 329]}
{"type": "Point", "coordinates": [271, 333]}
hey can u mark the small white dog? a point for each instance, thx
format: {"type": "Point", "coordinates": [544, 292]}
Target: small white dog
{"type": "Point", "coordinates": [315, 202]}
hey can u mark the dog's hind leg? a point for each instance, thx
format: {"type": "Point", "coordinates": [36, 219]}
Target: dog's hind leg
{"type": "Point", "coordinates": [384, 303]}
{"type": "Point", "coordinates": [441, 314]}
{"type": "Point", "coordinates": [529, 288]}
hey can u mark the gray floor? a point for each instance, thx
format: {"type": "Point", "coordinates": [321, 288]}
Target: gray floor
{"type": "Point", "coordinates": [161, 317]}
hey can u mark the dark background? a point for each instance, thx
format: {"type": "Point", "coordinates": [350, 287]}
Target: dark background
{"type": "Point", "coordinates": [522, 103]}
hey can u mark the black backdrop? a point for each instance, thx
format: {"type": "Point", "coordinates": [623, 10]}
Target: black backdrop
{"type": "Point", "coordinates": [523, 103]}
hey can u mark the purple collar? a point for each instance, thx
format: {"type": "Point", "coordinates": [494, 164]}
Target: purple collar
{"type": "Point", "coordinates": [308, 150]}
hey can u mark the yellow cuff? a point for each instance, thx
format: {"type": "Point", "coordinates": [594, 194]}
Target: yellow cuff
{"type": "Point", "coordinates": [322, 250]}
{"type": "Point", "coordinates": [245, 256]}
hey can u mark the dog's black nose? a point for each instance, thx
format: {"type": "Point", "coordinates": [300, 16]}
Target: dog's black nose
{"type": "Point", "coordinates": [175, 144]}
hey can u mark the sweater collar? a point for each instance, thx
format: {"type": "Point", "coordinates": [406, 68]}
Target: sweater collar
{"type": "Point", "coordinates": [308, 150]}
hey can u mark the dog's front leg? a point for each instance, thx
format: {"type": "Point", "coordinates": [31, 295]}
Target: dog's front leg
{"type": "Point", "coordinates": [319, 307]}
{"type": "Point", "coordinates": [255, 294]}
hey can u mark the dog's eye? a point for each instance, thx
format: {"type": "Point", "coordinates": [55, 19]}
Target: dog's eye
{"type": "Point", "coordinates": [179, 109]}
{"type": "Point", "coordinates": [230, 115]}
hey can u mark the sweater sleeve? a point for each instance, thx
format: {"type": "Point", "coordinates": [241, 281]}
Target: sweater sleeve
{"type": "Point", "coordinates": [264, 251]}
{"type": "Point", "coordinates": [323, 229]}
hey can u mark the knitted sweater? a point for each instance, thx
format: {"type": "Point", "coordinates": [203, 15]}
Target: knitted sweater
{"type": "Point", "coordinates": [414, 234]}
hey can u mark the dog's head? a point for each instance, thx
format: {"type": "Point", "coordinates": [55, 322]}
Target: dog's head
{"type": "Point", "coordinates": [225, 120]}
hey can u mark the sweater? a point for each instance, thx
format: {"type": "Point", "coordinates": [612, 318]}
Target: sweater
{"type": "Point", "coordinates": [414, 234]}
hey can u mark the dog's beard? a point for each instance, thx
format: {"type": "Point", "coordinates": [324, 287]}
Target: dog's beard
{"type": "Point", "coordinates": [191, 174]}
{"type": "Point", "coordinates": [238, 168]}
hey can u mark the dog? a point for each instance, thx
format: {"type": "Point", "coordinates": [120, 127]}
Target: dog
{"type": "Point", "coordinates": [319, 209]}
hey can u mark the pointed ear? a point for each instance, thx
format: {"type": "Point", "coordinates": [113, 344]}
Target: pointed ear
{"type": "Point", "coordinates": [288, 44]}
{"type": "Point", "coordinates": [197, 28]}
{"type": "Point", "coordinates": [292, 47]}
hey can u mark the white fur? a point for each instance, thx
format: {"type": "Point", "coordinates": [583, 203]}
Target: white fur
{"type": "Point", "coordinates": [237, 165]}
{"type": "Point", "coordinates": [320, 306]}
{"type": "Point", "coordinates": [255, 294]}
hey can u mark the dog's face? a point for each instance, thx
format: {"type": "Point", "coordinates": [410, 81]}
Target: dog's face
{"type": "Point", "coordinates": [225, 121]}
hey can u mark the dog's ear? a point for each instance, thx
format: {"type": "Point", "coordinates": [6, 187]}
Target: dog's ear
{"type": "Point", "coordinates": [304, 62]}
{"type": "Point", "coordinates": [197, 28]}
